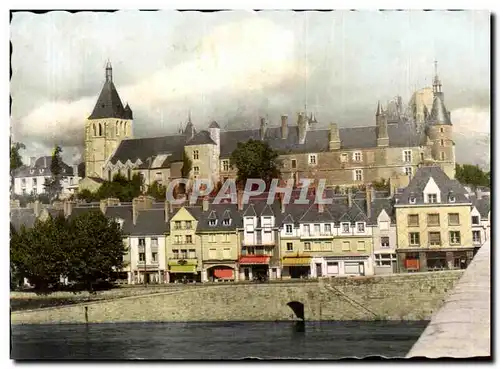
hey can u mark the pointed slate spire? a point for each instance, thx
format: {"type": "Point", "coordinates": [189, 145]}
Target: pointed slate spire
{"type": "Point", "coordinates": [108, 103]}
{"type": "Point", "coordinates": [378, 109]}
{"type": "Point", "coordinates": [439, 114]}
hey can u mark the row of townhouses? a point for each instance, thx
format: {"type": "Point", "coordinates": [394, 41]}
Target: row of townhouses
{"type": "Point", "coordinates": [432, 224]}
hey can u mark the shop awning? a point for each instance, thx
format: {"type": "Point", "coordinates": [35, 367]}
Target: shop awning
{"type": "Point", "coordinates": [223, 273]}
{"type": "Point", "coordinates": [183, 262]}
{"type": "Point", "coordinates": [297, 261]}
{"type": "Point", "coordinates": [254, 259]}
{"type": "Point", "coordinates": [182, 269]}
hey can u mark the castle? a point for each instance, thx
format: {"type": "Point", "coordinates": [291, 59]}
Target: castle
{"type": "Point", "coordinates": [395, 146]}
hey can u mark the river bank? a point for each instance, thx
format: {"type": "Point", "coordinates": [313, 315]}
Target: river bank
{"type": "Point", "coordinates": [397, 297]}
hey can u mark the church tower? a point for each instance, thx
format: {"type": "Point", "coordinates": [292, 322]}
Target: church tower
{"type": "Point", "coordinates": [109, 123]}
{"type": "Point", "coordinates": [440, 130]}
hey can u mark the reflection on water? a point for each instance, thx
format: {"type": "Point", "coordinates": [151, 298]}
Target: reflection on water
{"type": "Point", "coordinates": [218, 340]}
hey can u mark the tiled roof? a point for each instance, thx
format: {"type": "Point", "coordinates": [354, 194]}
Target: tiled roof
{"type": "Point", "coordinates": [445, 184]}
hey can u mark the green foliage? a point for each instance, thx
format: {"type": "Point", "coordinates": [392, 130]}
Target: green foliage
{"type": "Point", "coordinates": [472, 175]}
{"type": "Point", "coordinates": [381, 185]}
{"type": "Point", "coordinates": [96, 251]}
{"type": "Point", "coordinates": [120, 187]}
{"type": "Point", "coordinates": [186, 166]}
{"type": "Point", "coordinates": [255, 159]}
{"type": "Point", "coordinates": [157, 190]}
{"type": "Point", "coordinates": [86, 250]}
{"type": "Point", "coordinates": [26, 199]}
{"type": "Point", "coordinates": [53, 184]}
{"type": "Point", "coordinates": [16, 161]}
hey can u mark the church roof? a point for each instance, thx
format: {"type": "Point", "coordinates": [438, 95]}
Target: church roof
{"type": "Point", "coordinates": [108, 103]}
{"type": "Point", "coordinates": [201, 138]}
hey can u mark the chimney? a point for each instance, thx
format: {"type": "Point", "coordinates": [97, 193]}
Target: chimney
{"type": "Point", "coordinates": [32, 161]}
{"type": "Point", "coordinates": [167, 211]}
{"type": "Point", "coordinates": [263, 128]}
{"type": "Point", "coordinates": [302, 126]}
{"type": "Point", "coordinates": [37, 208]}
{"type": "Point", "coordinates": [140, 203]}
{"type": "Point", "coordinates": [349, 197]}
{"type": "Point", "coordinates": [334, 137]}
{"type": "Point", "coordinates": [282, 202]}
{"type": "Point", "coordinates": [205, 203]}
{"type": "Point", "coordinates": [369, 200]}
{"type": "Point", "coordinates": [75, 170]}
{"type": "Point", "coordinates": [240, 199]}
{"type": "Point", "coordinates": [284, 127]}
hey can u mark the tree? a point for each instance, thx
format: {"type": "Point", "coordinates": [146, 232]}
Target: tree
{"type": "Point", "coordinates": [255, 159]}
{"type": "Point", "coordinates": [472, 175]}
{"type": "Point", "coordinates": [39, 253]}
{"type": "Point", "coordinates": [96, 251]}
{"type": "Point", "coordinates": [381, 185]}
{"type": "Point", "coordinates": [16, 161]}
{"type": "Point", "coordinates": [157, 190]}
{"type": "Point", "coordinates": [53, 184]}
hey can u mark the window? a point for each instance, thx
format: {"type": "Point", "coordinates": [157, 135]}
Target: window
{"type": "Point", "coordinates": [453, 219]}
{"type": "Point", "coordinates": [154, 242]}
{"type": "Point", "coordinates": [409, 171]}
{"type": "Point", "coordinates": [183, 254]}
{"type": "Point", "coordinates": [422, 156]}
{"type": "Point", "coordinates": [129, 174]}
{"type": "Point", "coordinates": [158, 177]}
{"type": "Point", "coordinates": [142, 257]}
{"type": "Point", "coordinates": [385, 259]}
{"type": "Point", "coordinates": [23, 182]}
{"type": "Point", "coordinates": [189, 238]}
{"type": "Point", "coordinates": [407, 156]}
{"type": "Point", "coordinates": [313, 159]}
{"type": "Point", "coordinates": [346, 246]}
{"type": "Point", "coordinates": [358, 174]}
{"type": "Point", "coordinates": [413, 220]}
{"type": "Point", "coordinates": [435, 238]}
{"type": "Point", "coordinates": [212, 254]}
{"type": "Point", "coordinates": [175, 254]}
{"type": "Point", "coordinates": [189, 224]}
{"type": "Point", "coordinates": [154, 257]}
{"type": "Point", "coordinates": [442, 142]}
{"type": "Point", "coordinates": [289, 246]}
{"type": "Point", "coordinates": [294, 163]}
{"type": "Point", "coordinates": [177, 224]}
{"type": "Point", "coordinates": [414, 238]}
{"type": "Point", "coordinates": [356, 156]}
{"type": "Point", "coordinates": [307, 231]}
{"type": "Point", "coordinates": [316, 229]}
{"type": "Point", "coordinates": [384, 241]}
{"type": "Point", "coordinates": [360, 226]}
{"type": "Point", "coordinates": [142, 242]}
{"type": "Point", "coordinates": [476, 237]}
{"type": "Point", "coordinates": [211, 238]}
{"type": "Point", "coordinates": [192, 254]}
{"type": "Point", "coordinates": [212, 222]}
{"type": "Point", "coordinates": [442, 155]}
{"type": "Point", "coordinates": [225, 165]}
{"type": "Point", "coordinates": [288, 229]}
{"type": "Point", "coordinates": [225, 237]}
{"type": "Point", "coordinates": [383, 225]}
{"type": "Point", "coordinates": [432, 198]}
{"type": "Point", "coordinates": [454, 238]}
{"type": "Point", "coordinates": [178, 239]}
{"type": "Point", "coordinates": [475, 220]}
{"type": "Point", "coordinates": [307, 246]}
{"type": "Point", "coordinates": [196, 171]}
{"type": "Point", "coordinates": [361, 246]}
{"type": "Point", "coordinates": [34, 182]}
{"type": "Point", "coordinates": [34, 191]}
{"type": "Point", "coordinates": [196, 154]}
{"type": "Point", "coordinates": [343, 158]}
{"type": "Point", "coordinates": [109, 175]}
{"type": "Point", "coordinates": [328, 228]}
{"type": "Point", "coordinates": [433, 219]}
{"type": "Point", "coordinates": [327, 246]}
{"type": "Point", "coordinates": [226, 222]}
{"type": "Point", "coordinates": [346, 227]}
{"type": "Point", "coordinates": [226, 253]}
{"type": "Point", "coordinates": [441, 130]}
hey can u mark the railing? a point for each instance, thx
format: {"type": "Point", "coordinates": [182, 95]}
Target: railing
{"type": "Point", "coordinates": [183, 257]}
{"type": "Point", "coordinates": [318, 235]}
{"type": "Point", "coordinates": [258, 243]}
{"type": "Point", "coordinates": [182, 243]}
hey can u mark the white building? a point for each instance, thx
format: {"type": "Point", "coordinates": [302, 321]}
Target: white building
{"type": "Point", "coordinates": [30, 180]}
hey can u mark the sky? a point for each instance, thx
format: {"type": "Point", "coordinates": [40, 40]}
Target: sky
{"type": "Point", "coordinates": [236, 66]}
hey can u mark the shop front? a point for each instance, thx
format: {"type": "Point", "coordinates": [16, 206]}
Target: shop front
{"type": "Point", "coordinates": [344, 266]}
{"type": "Point", "coordinates": [254, 267]}
{"type": "Point", "coordinates": [183, 271]}
{"type": "Point", "coordinates": [219, 273]}
{"type": "Point", "coordinates": [434, 260]}
{"type": "Point", "coordinates": [296, 267]}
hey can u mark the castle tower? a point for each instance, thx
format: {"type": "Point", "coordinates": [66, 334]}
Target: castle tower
{"type": "Point", "coordinates": [440, 130]}
{"type": "Point", "coordinates": [108, 124]}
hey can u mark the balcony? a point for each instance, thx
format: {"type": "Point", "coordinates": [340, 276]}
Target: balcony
{"type": "Point", "coordinates": [317, 235]}
{"type": "Point", "coordinates": [182, 243]}
{"type": "Point", "coordinates": [153, 265]}
{"type": "Point", "coordinates": [258, 242]}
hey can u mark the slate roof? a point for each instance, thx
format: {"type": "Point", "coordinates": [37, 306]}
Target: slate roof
{"type": "Point", "coordinates": [22, 216]}
{"type": "Point", "coordinates": [445, 184]}
{"type": "Point", "coordinates": [313, 215]}
{"type": "Point", "coordinates": [201, 138]}
{"type": "Point", "coordinates": [150, 222]}
{"type": "Point", "coordinates": [214, 124]}
{"type": "Point", "coordinates": [76, 211]}
{"type": "Point", "coordinates": [41, 168]}
{"type": "Point", "coordinates": [439, 114]}
{"type": "Point", "coordinates": [377, 206]}
{"type": "Point", "coordinates": [219, 212]}
{"type": "Point", "coordinates": [122, 212]}
{"type": "Point", "coordinates": [109, 104]}
{"type": "Point", "coordinates": [482, 205]}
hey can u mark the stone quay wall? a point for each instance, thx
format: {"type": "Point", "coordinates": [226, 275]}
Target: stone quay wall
{"type": "Point", "coordinates": [396, 297]}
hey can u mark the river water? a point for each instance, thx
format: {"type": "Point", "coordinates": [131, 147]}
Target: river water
{"type": "Point", "coordinates": [214, 341]}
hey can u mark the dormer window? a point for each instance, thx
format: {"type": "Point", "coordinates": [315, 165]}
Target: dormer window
{"type": "Point", "coordinates": [120, 222]}
{"type": "Point", "coordinates": [31, 171]}
{"type": "Point", "coordinates": [412, 200]}
{"type": "Point", "coordinates": [451, 197]}
{"type": "Point", "coordinates": [360, 226]}
{"type": "Point", "coordinates": [196, 154]}
{"type": "Point", "coordinates": [345, 227]}
{"type": "Point", "coordinates": [212, 222]}
{"type": "Point", "coordinates": [226, 222]}
{"type": "Point", "coordinates": [288, 228]}
{"type": "Point", "coordinates": [431, 198]}
{"type": "Point", "coordinates": [41, 170]}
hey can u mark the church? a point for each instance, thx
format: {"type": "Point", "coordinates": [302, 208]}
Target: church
{"type": "Point", "coordinates": [395, 146]}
